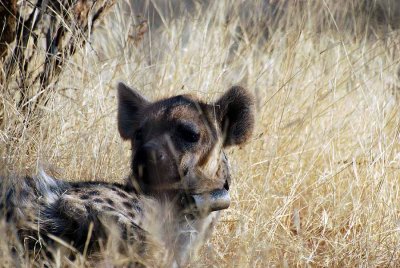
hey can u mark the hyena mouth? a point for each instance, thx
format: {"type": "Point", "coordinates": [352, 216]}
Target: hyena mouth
{"type": "Point", "coordinates": [205, 203]}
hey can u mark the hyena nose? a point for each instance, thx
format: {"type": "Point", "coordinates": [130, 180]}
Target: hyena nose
{"type": "Point", "coordinates": [153, 154]}
{"type": "Point", "coordinates": [152, 164]}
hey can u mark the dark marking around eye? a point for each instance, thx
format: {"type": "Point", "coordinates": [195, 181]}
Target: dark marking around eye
{"type": "Point", "coordinates": [188, 132]}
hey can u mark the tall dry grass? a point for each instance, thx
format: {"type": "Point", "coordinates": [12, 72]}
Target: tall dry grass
{"type": "Point", "coordinates": [318, 184]}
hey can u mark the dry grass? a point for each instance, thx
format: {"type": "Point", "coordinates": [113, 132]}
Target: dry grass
{"type": "Point", "coordinates": [318, 185]}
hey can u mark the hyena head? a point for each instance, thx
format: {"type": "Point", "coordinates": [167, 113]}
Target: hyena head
{"type": "Point", "coordinates": [178, 142]}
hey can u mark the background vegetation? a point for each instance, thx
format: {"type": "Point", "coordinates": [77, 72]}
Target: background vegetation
{"type": "Point", "coordinates": [318, 184]}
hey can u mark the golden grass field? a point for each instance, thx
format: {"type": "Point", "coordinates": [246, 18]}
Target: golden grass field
{"type": "Point", "coordinates": [319, 183]}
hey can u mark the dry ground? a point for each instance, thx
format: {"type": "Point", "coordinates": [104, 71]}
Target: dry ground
{"type": "Point", "coordinates": [318, 184]}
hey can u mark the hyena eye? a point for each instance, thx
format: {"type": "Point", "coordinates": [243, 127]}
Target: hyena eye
{"type": "Point", "coordinates": [188, 133]}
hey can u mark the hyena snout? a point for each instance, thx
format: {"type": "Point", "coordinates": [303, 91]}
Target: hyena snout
{"type": "Point", "coordinates": [154, 165]}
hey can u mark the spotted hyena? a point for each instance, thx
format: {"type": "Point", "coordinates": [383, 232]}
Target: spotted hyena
{"type": "Point", "coordinates": [178, 184]}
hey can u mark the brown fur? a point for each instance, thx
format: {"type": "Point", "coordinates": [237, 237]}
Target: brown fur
{"type": "Point", "coordinates": [177, 164]}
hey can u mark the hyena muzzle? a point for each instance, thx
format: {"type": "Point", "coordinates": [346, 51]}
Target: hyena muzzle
{"type": "Point", "coordinates": [179, 180]}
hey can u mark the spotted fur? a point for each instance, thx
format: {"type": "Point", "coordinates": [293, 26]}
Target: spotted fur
{"type": "Point", "coordinates": [177, 155]}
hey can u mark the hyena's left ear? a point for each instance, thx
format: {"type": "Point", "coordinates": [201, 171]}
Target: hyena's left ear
{"type": "Point", "coordinates": [130, 105]}
{"type": "Point", "coordinates": [235, 115]}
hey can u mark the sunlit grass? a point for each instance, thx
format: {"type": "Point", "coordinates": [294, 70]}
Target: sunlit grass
{"type": "Point", "coordinates": [317, 185]}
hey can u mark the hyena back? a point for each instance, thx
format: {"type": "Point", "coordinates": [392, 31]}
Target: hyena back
{"type": "Point", "coordinates": [179, 179]}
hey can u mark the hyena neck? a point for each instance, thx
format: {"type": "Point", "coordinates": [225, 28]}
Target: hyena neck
{"type": "Point", "coordinates": [167, 199]}
{"type": "Point", "coordinates": [170, 222]}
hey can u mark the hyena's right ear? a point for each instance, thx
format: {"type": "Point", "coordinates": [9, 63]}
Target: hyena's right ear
{"type": "Point", "coordinates": [130, 104]}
